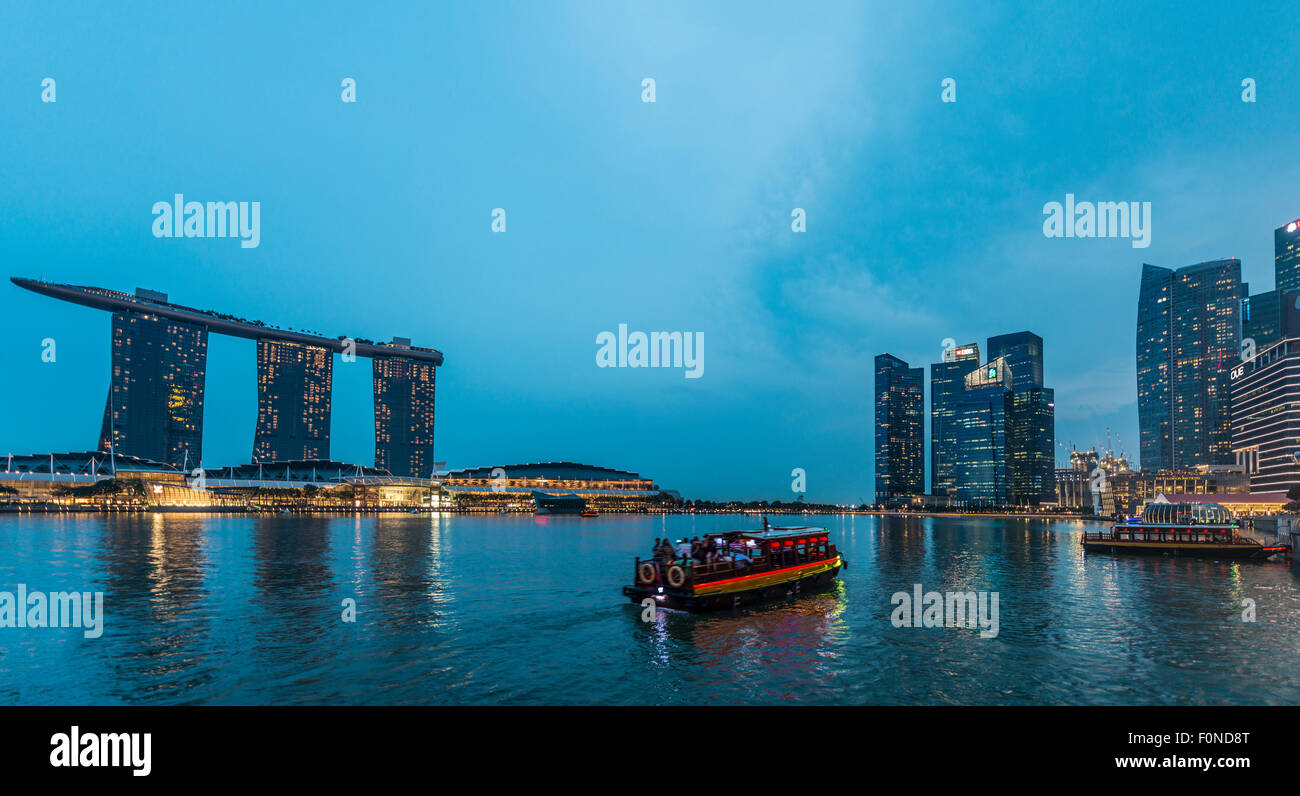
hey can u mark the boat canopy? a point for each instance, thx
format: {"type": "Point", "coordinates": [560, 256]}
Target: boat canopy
{"type": "Point", "coordinates": [1186, 514]}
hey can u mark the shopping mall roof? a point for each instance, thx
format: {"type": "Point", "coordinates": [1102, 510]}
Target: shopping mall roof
{"type": "Point", "coordinates": [83, 463]}
{"type": "Point", "coordinates": [559, 471]}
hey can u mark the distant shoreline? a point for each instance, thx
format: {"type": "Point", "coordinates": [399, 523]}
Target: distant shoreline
{"type": "Point", "coordinates": [45, 511]}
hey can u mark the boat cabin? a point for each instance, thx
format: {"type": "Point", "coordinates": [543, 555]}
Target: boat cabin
{"type": "Point", "coordinates": [740, 554]}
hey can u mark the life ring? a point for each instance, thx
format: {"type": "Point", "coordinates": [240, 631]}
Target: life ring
{"type": "Point", "coordinates": [676, 576]}
{"type": "Point", "coordinates": [645, 573]}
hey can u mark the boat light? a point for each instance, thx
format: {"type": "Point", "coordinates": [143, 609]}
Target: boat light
{"type": "Point", "coordinates": [661, 589]}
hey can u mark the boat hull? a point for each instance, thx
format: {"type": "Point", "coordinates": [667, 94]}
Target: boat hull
{"type": "Point", "coordinates": [740, 592]}
{"type": "Point", "coordinates": [1190, 550]}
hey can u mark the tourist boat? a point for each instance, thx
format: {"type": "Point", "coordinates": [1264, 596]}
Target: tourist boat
{"type": "Point", "coordinates": [590, 513]}
{"type": "Point", "coordinates": [547, 503]}
{"type": "Point", "coordinates": [764, 565]}
{"type": "Point", "coordinates": [1181, 529]}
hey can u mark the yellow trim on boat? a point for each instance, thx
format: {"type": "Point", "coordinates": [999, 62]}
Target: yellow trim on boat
{"type": "Point", "coordinates": [770, 579]}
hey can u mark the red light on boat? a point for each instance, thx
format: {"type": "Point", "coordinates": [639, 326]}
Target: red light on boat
{"type": "Point", "coordinates": [803, 541]}
{"type": "Point", "coordinates": [789, 544]}
{"type": "Point", "coordinates": [775, 545]}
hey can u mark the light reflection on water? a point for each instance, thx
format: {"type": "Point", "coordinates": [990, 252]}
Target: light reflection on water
{"type": "Point", "coordinates": [514, 610]}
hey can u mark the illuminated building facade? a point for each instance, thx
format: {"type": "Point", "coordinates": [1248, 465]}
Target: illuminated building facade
{"type": "Point", "coordinates": [1023, 353]}
{"type": "Point", "coordinates": [1261, 316]}
{"type": "Point", "coordinates": [1031, 420]}
{"type": "Point", "coordinates": [404, 404]}
{"type": "Point", "coordinates": [981, 421]}
{"type": "Point", "coordinates": [1266, 417]}
{"type": "Point", "coordinates": [511, 487]}
{"type": "Point", "coordinates": [1286, 256]}
{"type": "Point", "coordinates": [1188, 338]}
{"type": "Point", "coordinates": [159, 357]}
{"type": "Point", "coordinates": [947, 387]}
{"type": "Point", "coordinates": [294, 383]}
{"type": "Point", "coordinates": [900, 428]}
{"type": "Point", "coordinates": [154, 408]}
{"type": "Point", "coordinates": [1031, 438]}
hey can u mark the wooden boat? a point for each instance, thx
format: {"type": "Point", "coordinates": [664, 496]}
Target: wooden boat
{"type": "Point", "coordinates": [1181, 529]}
{"type": "Point", "coordinates": [758, 566]}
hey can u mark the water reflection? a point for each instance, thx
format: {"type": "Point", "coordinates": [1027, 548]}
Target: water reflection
{"type": "Point", "coordinates": [501, 609]}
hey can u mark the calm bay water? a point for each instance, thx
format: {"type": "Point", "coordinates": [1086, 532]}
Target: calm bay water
{"type": "Point", "coordinates": [524, 610]}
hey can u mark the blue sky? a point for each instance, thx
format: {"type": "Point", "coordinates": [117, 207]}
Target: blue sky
{"type": "Point", "coordinates": [924, 219]}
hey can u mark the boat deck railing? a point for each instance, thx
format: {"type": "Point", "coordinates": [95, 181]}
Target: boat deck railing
{"type": "Point", "coordinates": [707, 572]}
{"type": "Point", "coordinates": [1217, 534]}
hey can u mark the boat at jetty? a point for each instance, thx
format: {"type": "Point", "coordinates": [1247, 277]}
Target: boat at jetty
{"type": "Point", "coordinates": [1181, 529]}
{"type": "Point", "coordinates": [748, 567]}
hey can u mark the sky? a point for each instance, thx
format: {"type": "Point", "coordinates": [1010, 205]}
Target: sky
{"type": "Point", "coordinates": [924, 218]}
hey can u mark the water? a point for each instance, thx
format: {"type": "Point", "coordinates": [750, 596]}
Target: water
{"type": "Point", "coordinates": [523, 610]}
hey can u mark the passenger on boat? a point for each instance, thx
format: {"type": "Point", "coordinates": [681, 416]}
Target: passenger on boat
{"type": "Point", "coordinates": [664, 553]}
{"type": "Point", "coordinates": [683, 549]}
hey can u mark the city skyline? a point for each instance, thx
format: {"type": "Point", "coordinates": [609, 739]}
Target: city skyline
{"type": "Point", "coordinates": [924, 219]}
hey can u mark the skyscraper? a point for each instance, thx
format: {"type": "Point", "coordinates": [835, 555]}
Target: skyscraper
{"type": "Point", "coordinates": [404, 401]}
{"type": "Point", "coordinates": [1031, 420]}
{"type": "Point", "coordinates": [1266, 417]}
{"type": "Point", "coordinates": [293, 401]}
{"type": "Point", "coordinates": [1031, 441]}
{"type": "Point", "coordinates": [1023, 352]}
{"type": "Point", "coordinates": [154, 408]}
{"type": "Point", "coordinates": [1286, 256]}
{"type": "Point", "coordinates": [900, 427]}
{"type": "Point", "coordinates": [981, 420]}
{"type": "Point", "coordinates": [947, 388]}
{"type": "Point", "coordinates": [1155, 420]}
{"type": "Point", "coordinates": [1261, 316]}
{"type": "Point", "coordinates": [1188, 337]}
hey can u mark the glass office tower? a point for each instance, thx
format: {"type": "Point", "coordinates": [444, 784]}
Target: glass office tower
{"type": "Point", "coordinates": [1023, 352]}
{"type": "Point", "coordinates": [1261, 319]}
{"type": "Point", "coordinates": [404, 400]}
{"type": "Point", "coordinates": [981, 421]}
{"type": "Point", "coordinates": [1188, 338]}
{"type": "Point", "coordinates": [1031, 439]}
{"type": "Point", "coordinates": [155, 396]}
{"type": "Point", "coordinates": [293, 401]}
{"type": "Point", "coordinates": [1031, 436]}
{"type": "Point", "coordinates": [1286, 256]}
{"type": "Point", "coordinates": [900, 462]}
{"type": "Point", "coordinates": [947, 388]}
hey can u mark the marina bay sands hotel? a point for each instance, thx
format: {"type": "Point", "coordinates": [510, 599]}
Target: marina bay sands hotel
{"type": "Point", "coordinates": [154, 408]}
